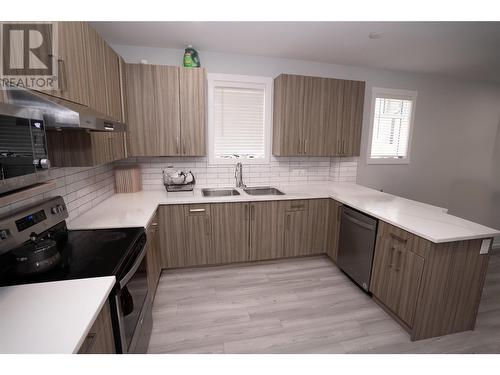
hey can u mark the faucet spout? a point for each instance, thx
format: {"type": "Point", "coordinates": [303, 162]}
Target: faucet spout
{"type": "Point", "coordinates": [238, 176]}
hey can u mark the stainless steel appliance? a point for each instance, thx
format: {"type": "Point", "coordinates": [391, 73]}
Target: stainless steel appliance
{"type": "Point", "coordinates": [356, 245]}
{"type": "Point", "coordinates": [36, 246]}
{"type": "Point", "coordinates": [23, 148]}
{"type": "Point", "coordinates": [64, 114]}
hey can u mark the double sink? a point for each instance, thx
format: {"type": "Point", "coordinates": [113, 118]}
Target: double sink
{"type": "Point", "coordinates": [226, 192]}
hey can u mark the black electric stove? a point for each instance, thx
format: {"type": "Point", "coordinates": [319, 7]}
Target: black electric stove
{"type": "Point", "coordinates": [36, 246]}
{"type": "Point", "coordinates": [84, 253]}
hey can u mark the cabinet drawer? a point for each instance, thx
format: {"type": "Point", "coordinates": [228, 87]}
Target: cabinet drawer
{"type": "Point", "coordinates": [402, 239]}
{"type": "Point", "coordinates": [197, 210]}
{"type": "Point", "coordinates": [296, 205]}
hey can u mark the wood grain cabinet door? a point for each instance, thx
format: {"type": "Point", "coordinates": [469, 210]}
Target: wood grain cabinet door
{"type": "Point", "coordinates": [172, 236]}
{"type": "Point", "coordinates": [230, 225]}
{"type": "Point", "coordinates": [192, 111]}
{"type": "Point", "coordinates": [288, 114]}
{"type": "Point", "coordinates": [166, 130]}
{"type": "Point", "coordinates": [352, 117]}
{"type": "Point", "coordinates": [153, 256]}
{"type": "Point", "coordinates": [266, 230]}
{"type": "Point", "coordinates": [113, 88]}
{"type": "Point", "coordinates": [95, 49]}
{"type": "Point", "coordinates": [334, 211]}
{"type": "Point", "coordinates": [141, 110]}
{"type": "Point", "coordinates": [296, 236]}
{"type": "Point", "coordinates": [396, 273]}
{"type": "Point", "coordinates": [317, 222]}
{"type": "Point", "coordinates": [334, 96]}
{"type": "Point", "coordinates": [198, 224]}
{"type": "Point", "coordinates": [72, 63]}
{"type": "Point", "coordinates": [100, 339]}
{"type": "Point", "coordinates": [313, 120]}
{"type": "Point", "coordinates": [410, 267]}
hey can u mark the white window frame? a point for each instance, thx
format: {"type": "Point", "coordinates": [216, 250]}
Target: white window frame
{"type": "Point", "coordinates": [395, 94]}
{"type": "Point", "coordinates": [240, 81]}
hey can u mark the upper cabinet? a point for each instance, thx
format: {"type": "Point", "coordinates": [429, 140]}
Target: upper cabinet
{"type": "Point", "coordinates": [165, 110]}
{"type": "Point", "coordinates": [72, 63]}
{"type": "Point", "coordinates": [317, 116]}
{"type": "Point", "coordinates": [88, 70]}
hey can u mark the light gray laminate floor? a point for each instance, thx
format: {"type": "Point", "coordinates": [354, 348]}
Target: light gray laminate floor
{"type": "Point", "coordinates": [302, 305]}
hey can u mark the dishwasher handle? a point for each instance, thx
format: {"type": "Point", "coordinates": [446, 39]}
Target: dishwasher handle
{"type": "Point", "coordinates": [359, 222]}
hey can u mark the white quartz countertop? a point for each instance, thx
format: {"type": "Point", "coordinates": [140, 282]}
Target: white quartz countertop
{"type": "Point", "coordinates": [53, 317]}
{"type": "Point", "coordinates": [427, 221]}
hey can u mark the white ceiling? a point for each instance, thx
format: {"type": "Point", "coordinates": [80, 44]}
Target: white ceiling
{"type": "Point", "coordinates": [459, 49]}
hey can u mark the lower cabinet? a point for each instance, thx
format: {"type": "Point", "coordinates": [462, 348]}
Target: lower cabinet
{"type": "Point", "coordinates": [333, 231]}
{"type": "Point", "coordinates": [100, 339]}
{"type": "Point", "coordinates": [266, 230]}
{"type": "Point", "coordinates": [295, 240]}
{"type": "Point", "coordinates": [397, 272]}
{"type": "Point", "coordinates": [153, 256]}
{"type": "Point", "coordinates": [432, 289]}
{"type": "Point", "coordinates": [230, 232]}
{"type": "Point", "coordinates": [219, 233]}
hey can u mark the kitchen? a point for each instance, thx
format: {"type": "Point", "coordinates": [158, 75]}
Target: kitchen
{"type": "Point", "coordinates": [233, 197]}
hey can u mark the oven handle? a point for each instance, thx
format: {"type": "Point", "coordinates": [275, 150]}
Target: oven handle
{"type": "Point", "coordinates": [134, 268]}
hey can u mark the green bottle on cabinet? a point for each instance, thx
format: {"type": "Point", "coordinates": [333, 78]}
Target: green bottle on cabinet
{"type": "Point", "coordinates": [191, 58]}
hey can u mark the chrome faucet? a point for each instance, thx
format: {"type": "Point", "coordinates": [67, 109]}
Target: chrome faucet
{"type": "Point", "coordinates": [238, 175]}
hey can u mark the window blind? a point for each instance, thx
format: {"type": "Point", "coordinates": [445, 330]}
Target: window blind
{"type": "Point", "coordinates": [239, 122]}
{"type": "Point", "coordinates": [391, 128]}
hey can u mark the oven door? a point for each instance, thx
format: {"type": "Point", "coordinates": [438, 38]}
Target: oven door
{"type": "Point", "coordinates": [131, 304]}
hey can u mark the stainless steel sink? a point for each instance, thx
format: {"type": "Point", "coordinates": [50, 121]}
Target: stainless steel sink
{"type": "Point", "coordinates": [263, 190]}
{"type": "Point", "coordinates": [222, 192]}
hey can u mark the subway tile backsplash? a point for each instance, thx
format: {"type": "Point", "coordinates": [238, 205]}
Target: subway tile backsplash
{"type": "Point", "coordinates": [82, 188]}
{"type": "Point", "coordinates": [280, 171]}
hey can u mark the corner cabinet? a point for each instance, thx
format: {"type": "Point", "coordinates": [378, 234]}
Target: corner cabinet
{"type": "Point", "coordinates": [166, 113]}
{"type": "Point", "coordinates": [317, 116]}
{"type": "Point", "coordinates": [431, 289]}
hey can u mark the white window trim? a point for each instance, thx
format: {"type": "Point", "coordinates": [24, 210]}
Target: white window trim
{"type": "Point", "coordinates": [232, 79]}
{"type": "Point", "coordinates": [396, 94]}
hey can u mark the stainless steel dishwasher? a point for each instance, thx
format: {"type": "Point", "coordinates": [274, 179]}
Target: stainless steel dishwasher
{"type": "Point", "coordinates": [356, 245]}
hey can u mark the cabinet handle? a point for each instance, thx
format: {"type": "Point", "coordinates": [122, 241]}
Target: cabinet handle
{"type": "Point", "coordinates": [300, 146]}
{"type": "Point", "coordinates": [287, 222]}
{"type": "Point", "coordinates": [154, 224]}
{"type": "Point", "coordinates": [343, 147]}
{"type": "Point", "coordinates": [391, 257]}
{"type": "Point", "coordinates": [305, 146]}
{"type": "Point", "coordinates": [196, 210]}
{"type": "Point", "coordinates": [61, 65]}
{"type": "Point", "coordinates": [89, 342]}
{"type": "Point", "coordinates": [207, 226]}
{"type": "Point", "coordinates": [398, 238]}
{"type": "Point", "coordinates": [177, 145]}
{"type": "Point", "coordinates": [252, 208]}
{"type": "Point", "coordinates": [398, 263]}
{"type": "Point", "coordinates": [246, 212]}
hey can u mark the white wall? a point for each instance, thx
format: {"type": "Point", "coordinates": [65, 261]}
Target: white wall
{"type": "Point", "coordinates": [455, 156]}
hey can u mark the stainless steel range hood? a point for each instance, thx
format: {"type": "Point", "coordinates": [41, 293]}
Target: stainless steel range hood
{"type": "Point", "coordinates": [62, 114]}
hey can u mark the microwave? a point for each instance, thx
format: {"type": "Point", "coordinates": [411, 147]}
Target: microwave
{"type": "Point", "coordinates": [23, 148]}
